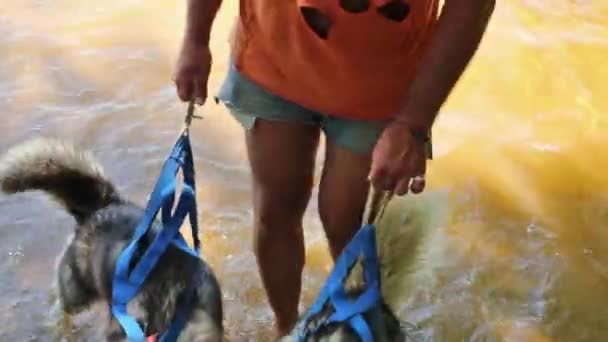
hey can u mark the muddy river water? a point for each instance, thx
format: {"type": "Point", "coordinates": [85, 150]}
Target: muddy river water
{"type": "Point", "coordinates": [519, 154]}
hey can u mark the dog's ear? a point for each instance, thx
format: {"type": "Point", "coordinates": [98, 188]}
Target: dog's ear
{"type": "Point", "coordinates": [355, 281]}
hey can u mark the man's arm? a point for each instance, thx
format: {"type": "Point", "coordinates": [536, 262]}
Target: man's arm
{"type": "Point", "coordinates": [194, 62]}
{"type": "Point", "coordinates": [459, 31]}
{"type": "Point", "coordinates": [200, 16]}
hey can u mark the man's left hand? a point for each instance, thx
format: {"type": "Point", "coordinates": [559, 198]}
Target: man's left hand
{"type": "Point", "coordinates": [399, 161]}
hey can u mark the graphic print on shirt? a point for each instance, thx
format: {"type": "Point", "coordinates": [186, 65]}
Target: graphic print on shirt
{"type": "Point", "coordinates": [321, 23]}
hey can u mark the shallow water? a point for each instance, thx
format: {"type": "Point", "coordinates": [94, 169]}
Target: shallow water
{"type": "Point", "coordinates": [518, 150]}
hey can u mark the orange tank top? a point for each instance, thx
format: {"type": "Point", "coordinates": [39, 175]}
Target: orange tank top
{"type": "Point", "coordinates": [345, 58]}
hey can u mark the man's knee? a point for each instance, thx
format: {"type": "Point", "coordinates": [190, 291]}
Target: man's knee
{"type": "Point", "coordinates": [341, 219]}
{"type": "Point", "coordinates": [280, 210]}
{"type": "Point", "coordinates": [340, 226]}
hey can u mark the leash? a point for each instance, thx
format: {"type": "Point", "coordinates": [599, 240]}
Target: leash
{"type": "Point", "coordinates": [346, 309]}
{"type": "Point", "coordinates": [128, 280]}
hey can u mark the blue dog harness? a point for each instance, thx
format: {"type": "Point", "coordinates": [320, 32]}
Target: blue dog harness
{"type": "Point", "coordinates": [345, 308]}
{"type": "Point", "coordinates": [128, 282]}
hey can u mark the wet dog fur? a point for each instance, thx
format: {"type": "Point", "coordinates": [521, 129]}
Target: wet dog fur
{"type": "Point", "coordinates": [105, 223]}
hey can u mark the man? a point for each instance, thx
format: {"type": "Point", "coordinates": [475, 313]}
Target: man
{"type": "Point", "coordinates": [370, 74]}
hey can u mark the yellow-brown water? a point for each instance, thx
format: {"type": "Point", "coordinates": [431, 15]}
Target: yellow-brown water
{"type": "Point", "coordinates": [519, 149]}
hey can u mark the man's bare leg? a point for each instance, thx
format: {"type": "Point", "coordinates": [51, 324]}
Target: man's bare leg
{"type": "Point", "coordinates": [282, 158]}
{"type": "Point", "coordinates": [342, 195]}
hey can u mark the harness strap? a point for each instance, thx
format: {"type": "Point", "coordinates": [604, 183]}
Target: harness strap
{"type": "Point", "coordinates": [347, 309]}
{"type": "Point", "coordinates": [126, 283]}
{"type": "Point", "coordinates": [184, 309]}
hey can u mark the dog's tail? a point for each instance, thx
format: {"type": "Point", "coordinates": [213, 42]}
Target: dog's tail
{"type": "Point", "coordinates": [408, 242]}
{"type": "Point", "coordinates": [71, 176]}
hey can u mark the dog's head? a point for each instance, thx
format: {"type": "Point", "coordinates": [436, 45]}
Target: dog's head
{"type": "Point", "coordinates": [381, 321]}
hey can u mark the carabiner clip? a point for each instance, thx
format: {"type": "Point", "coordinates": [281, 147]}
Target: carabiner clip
{"type": "Point", "coordinates": [190, 115]}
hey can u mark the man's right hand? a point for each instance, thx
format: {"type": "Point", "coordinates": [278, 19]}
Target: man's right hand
{"type": "Point", "coordinates": [192, 72]}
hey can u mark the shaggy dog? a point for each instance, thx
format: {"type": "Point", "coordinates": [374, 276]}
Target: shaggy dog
{"type": "Point", "coordinates": [105, 224]}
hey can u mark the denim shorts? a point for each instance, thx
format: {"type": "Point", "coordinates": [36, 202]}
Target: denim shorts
{"type": "Point", "coordinates": [248, 101]}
